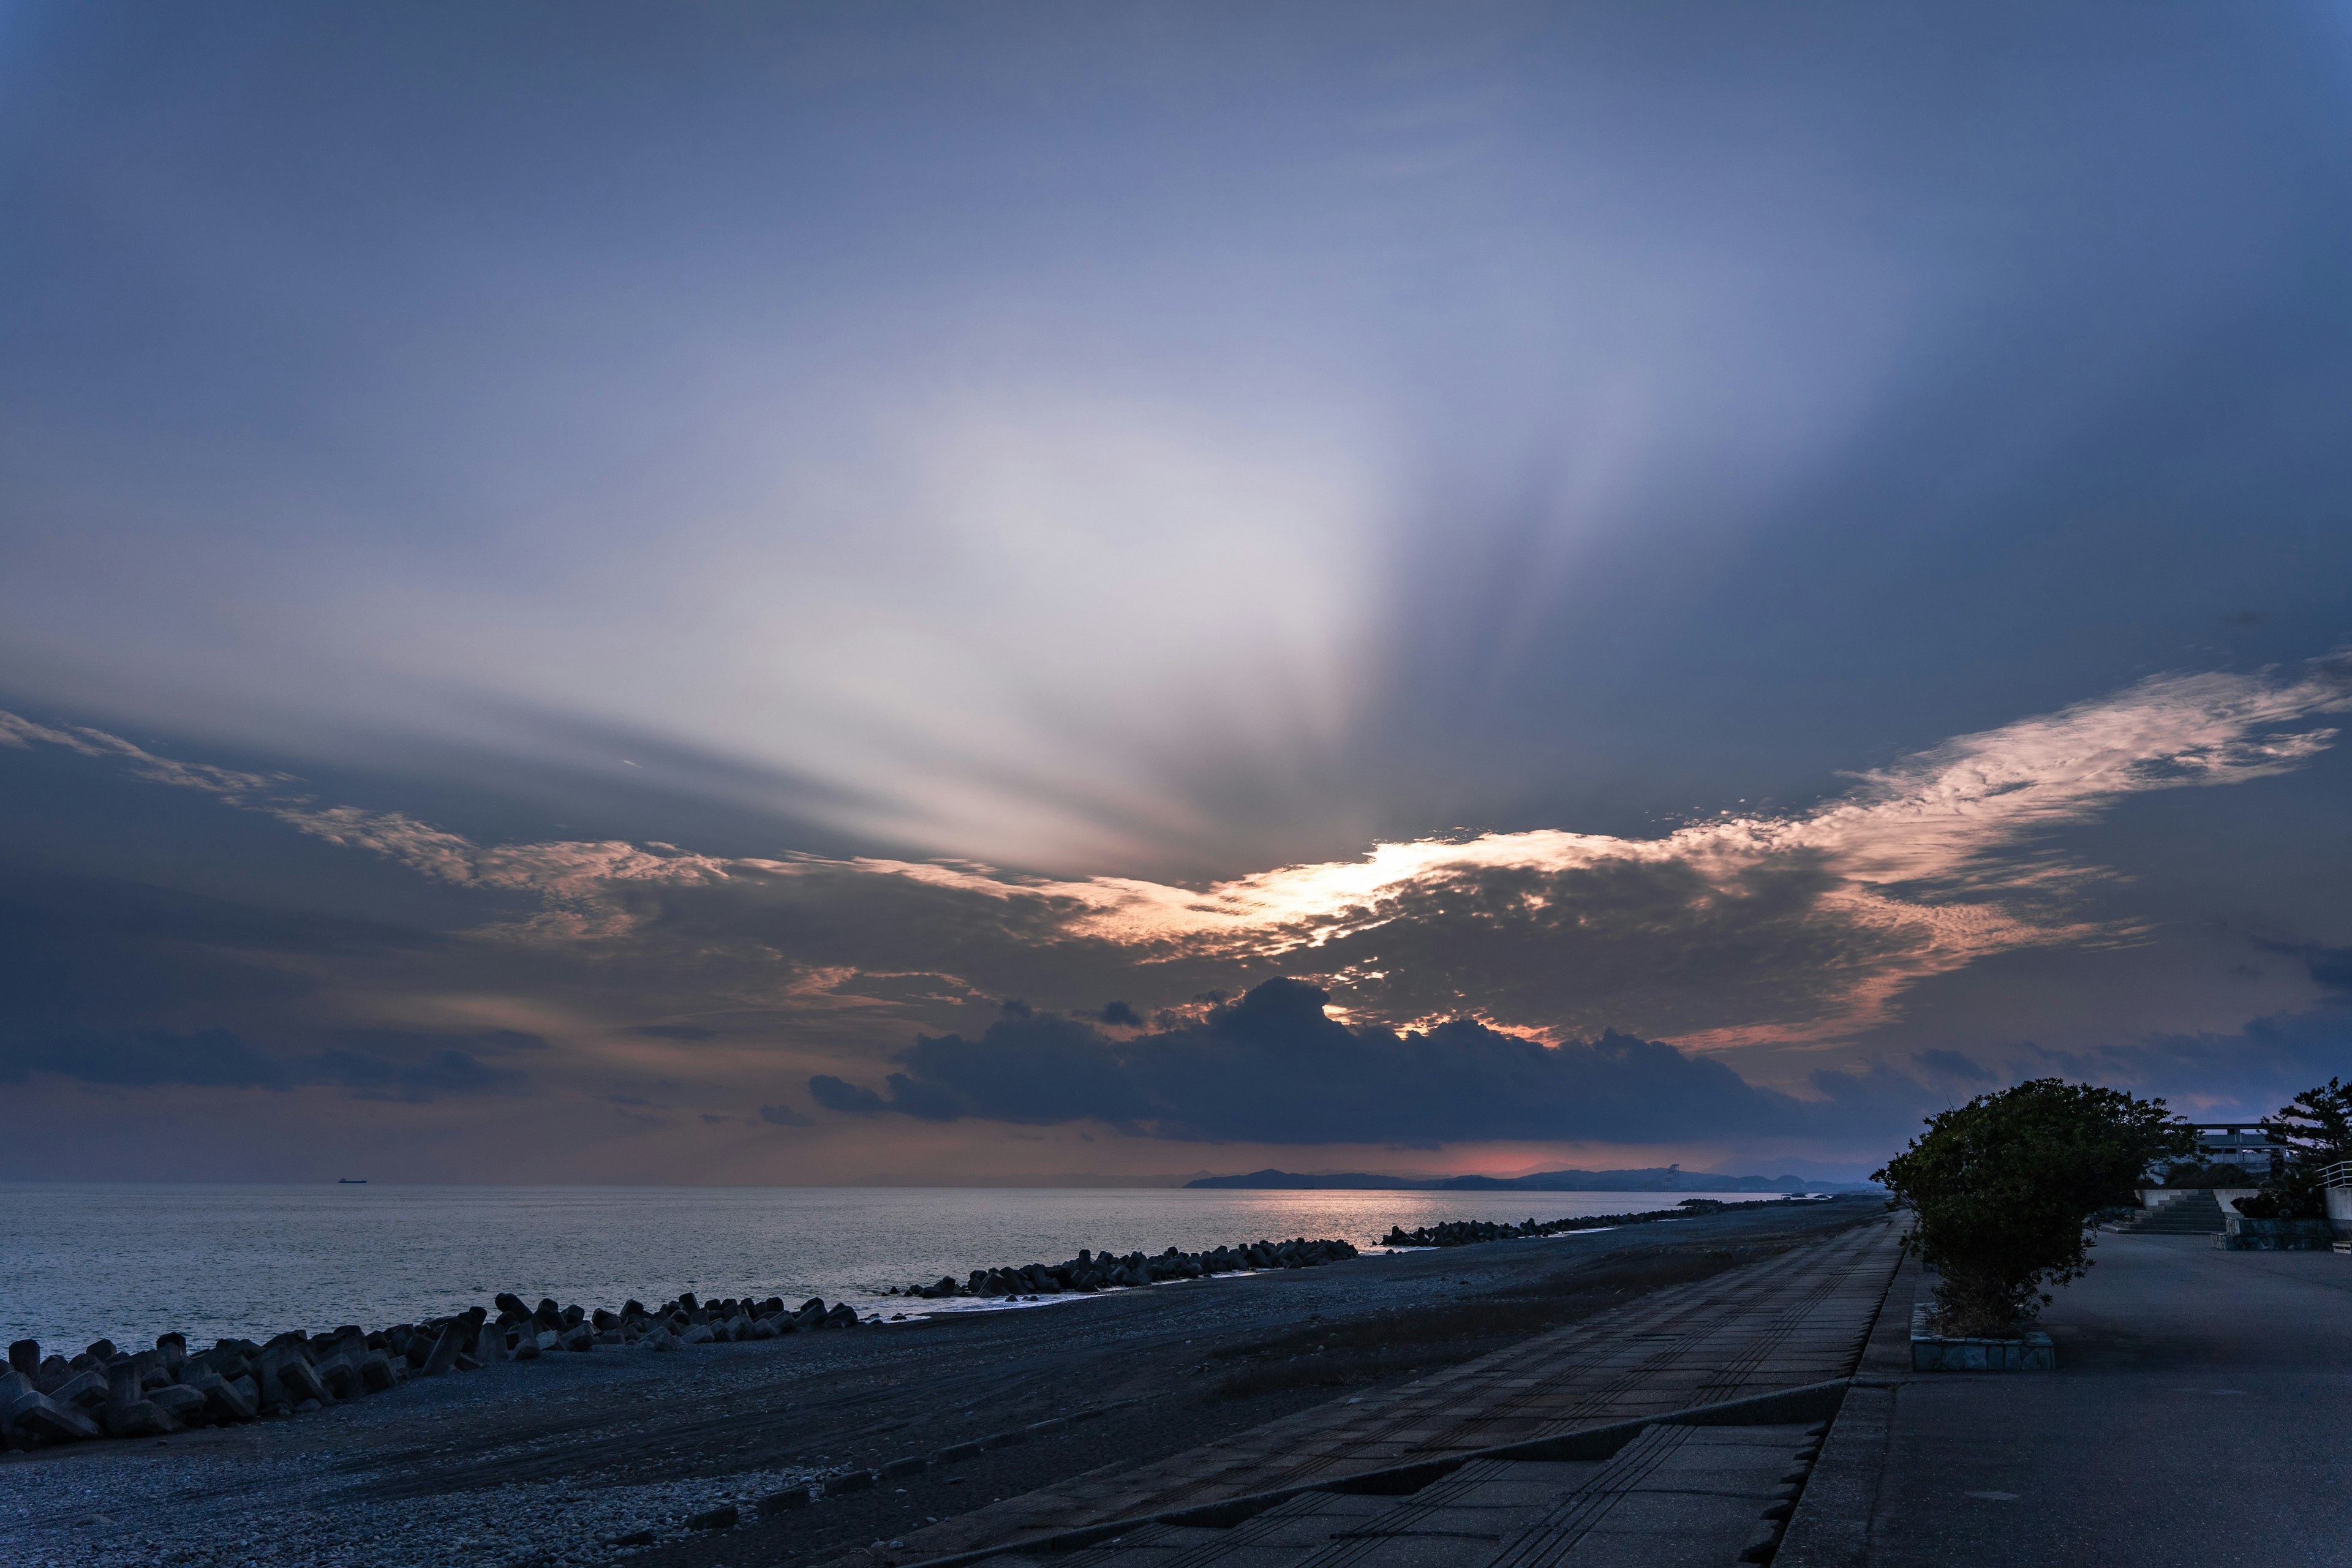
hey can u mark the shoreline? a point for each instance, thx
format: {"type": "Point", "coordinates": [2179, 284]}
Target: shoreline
{"type": "Point", "coordinates": [133, 1261]}
{"type": "Point", "coordinates": [564, 1456]}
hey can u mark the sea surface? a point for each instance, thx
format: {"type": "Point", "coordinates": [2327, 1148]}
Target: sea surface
{"type": "Point", "coordinates": [131, 1261]}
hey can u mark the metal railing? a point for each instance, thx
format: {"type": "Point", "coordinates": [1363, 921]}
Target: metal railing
{"type": "Point", "coordinates": [2339, 1174]}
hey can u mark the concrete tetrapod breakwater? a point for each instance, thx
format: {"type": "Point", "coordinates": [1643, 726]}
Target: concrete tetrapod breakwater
{"type": "Point", "coordinates": [1473, 1232]}
{"type": "Point", "coordinates": [105, 1391]}
{"type": "Point", "coordinates": [1090, 1271]}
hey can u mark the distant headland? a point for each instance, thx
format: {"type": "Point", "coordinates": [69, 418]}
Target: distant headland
{"type": "Point", "coordinates": [1658, 1179]}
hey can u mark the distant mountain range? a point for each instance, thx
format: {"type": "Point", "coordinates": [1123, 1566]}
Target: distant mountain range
{"type": "Point", "coordinates": [1663, 1179]}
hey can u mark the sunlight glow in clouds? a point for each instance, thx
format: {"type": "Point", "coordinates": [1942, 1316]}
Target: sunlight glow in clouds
{"type": "Point", "coordinates": [1915, 851]}
{"type": "Point", "coordinates": [1935, 819]}
{"type": "Point", "coordinates": [1920, 869]}
{"type": "Point", "coordinates": [998, 622]}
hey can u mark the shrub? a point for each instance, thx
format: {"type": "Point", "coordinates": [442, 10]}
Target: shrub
{"type": "Point", "coordinates": [2296, 1194]}
{"type": "Point", "coordinates": [2002, 1191]}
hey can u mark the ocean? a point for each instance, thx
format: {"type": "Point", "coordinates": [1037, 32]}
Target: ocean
{"type": "Point", "coordinates": [131, 1261]}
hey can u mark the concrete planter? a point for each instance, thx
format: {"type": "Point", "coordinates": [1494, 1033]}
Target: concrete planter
{"type": "Point", "coordinates": [2245, 1235]}
{"type": "Point", "coordinates": [1941, 1352]}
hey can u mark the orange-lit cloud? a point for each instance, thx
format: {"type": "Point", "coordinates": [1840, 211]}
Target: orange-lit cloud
{"type": "Point", "coordinates": [1742, 929]}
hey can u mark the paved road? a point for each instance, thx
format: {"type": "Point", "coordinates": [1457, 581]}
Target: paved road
{"type": "Point", "coordinates": [2202, 1414]}
{"type": "Point", "coordinates": [1677, 1496]}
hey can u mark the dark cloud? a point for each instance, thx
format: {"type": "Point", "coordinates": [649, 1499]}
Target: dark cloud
{"type": "Point", "coordinates": [674, 1032]}
{"type": "Point", "coordinates": [207, 1057]}
{"type": "Point", "coordinates": [835, 1095]}
{"type": "Point", "coordinates": [443, 1072]}
{"type": "Point", "coordinates": [924, 1101]}
{"type": "Point", "coordinates": [1275, 1068]}
{"type": "Point", "coordinates": [422, 1068]}
{"type": "Point", "coordinates": [85, 947]}
{"type": "Point", "coordinates": [105, 973]}
{"type": "Point", "coordinates": [380, 1041]}
{"type": "Point", "coordinates": [2330, 966]}
{"type": "Point", "coordinates": [1120, 1015]}
{"type": "Point", "coordinates": [2256, 1069]}
{"type": "Point", "coordinates": [1656, 940]}
{"type": "Point", "coordinates": [783, 1116]}
{"type": "Point", "coordinates": [1045, 1070]}
{"type": "Point", "coordinates": [1955, 1064]}
{"type": "Point", "coordinates": [834, 919]}
{"type": "Point", "coordinates": [710, 1120]}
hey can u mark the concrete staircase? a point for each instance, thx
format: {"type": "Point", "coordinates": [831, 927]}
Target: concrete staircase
{"type": "Point", "coordinates": [2199, 1214]}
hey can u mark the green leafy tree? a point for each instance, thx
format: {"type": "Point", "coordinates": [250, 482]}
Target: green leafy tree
{"type": "Point", "coordinates": [2002, 1191]}
{"type": "Point", "coordinates": [2316, 1128]}
{"type": "Point", "coordinates": [2316, 1125]}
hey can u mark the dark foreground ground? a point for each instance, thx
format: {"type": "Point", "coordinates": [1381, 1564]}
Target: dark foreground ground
{"type": "Point", "coordinates": [561, 1460]}
{"type": "Point", "coordinates": [2200, 1417]}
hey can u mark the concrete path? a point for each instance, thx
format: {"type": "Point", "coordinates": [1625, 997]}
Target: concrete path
{"type": "Point", "coordinates": [2202, 1414]}
{"type": "Point", "coordinates": [1795, 1320]}
{"type": "Point", "coordinates": [1676, 1496]}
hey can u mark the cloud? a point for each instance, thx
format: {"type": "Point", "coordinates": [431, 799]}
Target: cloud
{"type": "Point", "coordinates": [582, 888]}
{"type": "Point", "coordinates": [2329, 967]}
{"type": "Point", "coordinates": [1743, 929]}
{"type": "Point", "coordinates": [415, 1068]}
{"type": "Point", "coordinates": [1801, 927]}
{"type": "Point", "coordinates": [1956, 1064]}
{"type": "Point", "coordinates": [783, 1116]}
{"type": "Point", "coordinates": [382, 1040]}
{"type": "Point", "coordinates": [1120, 1015]}
{"type": "Point", "coordinates": [2251, 1070]}
{"type": "Point", "coordinates": [444, 1071]}
{"type": "Point", "coordinates": [925, 1101]}
{"type": "Point", "coordinates": [835, 1095]}
{"type": "Point", "coordinates": [207, 1057]}
{"type": "Point", "coordinates": [674, 1032]}
{"type": "Point", "coordinates": [83, 939]}
{"type": "Point", "coordinates": [1275, 1068]}
{"type": "Point", "coordinates": [22, 733]}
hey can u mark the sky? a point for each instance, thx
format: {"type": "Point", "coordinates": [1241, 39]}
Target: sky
{"type": "Point", "coordinates": [1090, 593]}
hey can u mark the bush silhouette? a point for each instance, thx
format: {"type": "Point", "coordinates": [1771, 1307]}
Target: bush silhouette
{"type": "Point", "coordinates": [2002, 1191]}
{"type": "Point", "coordinates": [2316, 1128]}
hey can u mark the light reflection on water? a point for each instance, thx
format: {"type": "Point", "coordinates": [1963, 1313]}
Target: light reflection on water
{"type": "Point", "coordinates": [130, 1261]}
